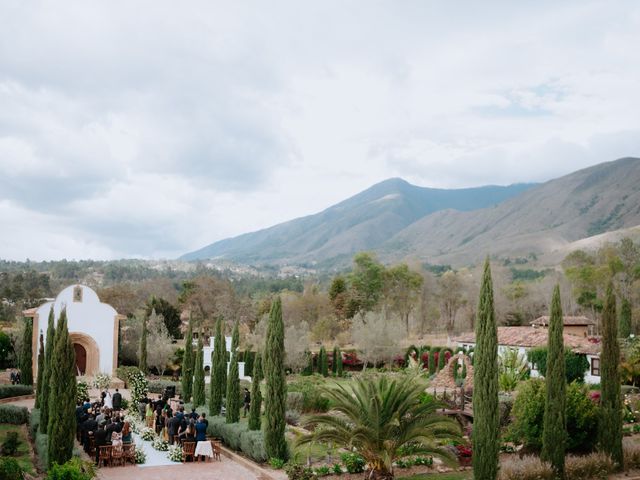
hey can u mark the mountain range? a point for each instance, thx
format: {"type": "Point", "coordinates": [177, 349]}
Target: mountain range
{"type": "Point", "coordinates": [456, 226]}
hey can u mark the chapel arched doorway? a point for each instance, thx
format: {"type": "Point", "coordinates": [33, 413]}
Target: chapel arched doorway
{"type": "Point", "coordinates": [81, 359]}
{"type": "Point", "coordinates": [87, 354]}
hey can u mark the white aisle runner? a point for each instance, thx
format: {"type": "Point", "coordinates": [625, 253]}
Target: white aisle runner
{"type": "Point", "coordinates": [155, 458]}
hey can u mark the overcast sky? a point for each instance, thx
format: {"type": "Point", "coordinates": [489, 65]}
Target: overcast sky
{"type": "Point", "coordinates": [150, 129]}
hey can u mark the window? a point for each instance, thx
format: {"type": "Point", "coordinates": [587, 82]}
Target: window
{"type": "Point", "coordinates": [77, 294]}
{"type": "Point", "coordinates": [595, 367]}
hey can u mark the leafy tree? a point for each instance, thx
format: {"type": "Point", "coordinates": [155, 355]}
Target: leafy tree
{"type": "Point", "coordinates": [378, 339]}
{"type": "Point", "coordinates": [625, 319]}
{"type": "Point", "coordinates": [158, 343]}
{"type": "Point", "coordinates": [198, 379]}
{"type": "Point", "coordinates": [255, 421]}
{"type": "Point", "coordinates": [142, 357]}
{"type": "Point", "coordinates": [367, 282]}
{"type": "Point", "coordinates": [379, 418]}
{"type": "Point", "coordinates": [169, 313]}
{"type": "Point", "coordinates": [486, 422]}
{"type": "Point", "coordinates": [62, 396]}
{"type": "Point", "coordinates": [46, 373]}
{"type": "Point", "coordinates": [218, 385]}
{"type": "Point", "coordinates": [40, 368]}
{"type": "Point", "coordinates": [26, 356]}
{"type": "Point", "coordinates": [6, 348]}
{"type": "Point", "coordinates": [575, 363]}
{"type": "Point", "coordinates": [610, 431]}
{"type": "Point", "coordinates": [451, 298]}
{"type": "Point", "coordinates": [323, 367]}
{"type": "Point", "coordinates": [555, 423]}
{"type": "Point", "coordinates": [402, 289]}
{"type": "Point", "coordinates": [339, 296]}
{"type": "Point", "coordinates": [276, 392]}
{"type": "Point", "coordinates": [233, 380]}
{"type": "Point", "coordinates": [187, 363]}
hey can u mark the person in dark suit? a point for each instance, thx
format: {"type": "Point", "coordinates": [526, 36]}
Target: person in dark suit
{"type": "Point", "coordinates": [116, 400]}
{"type": "Point", "coordinates": [89, 425]}
{"type": "Point", "coordinates": [101, 439]}
{"type": "Point", "coordinates": [201, 430]}
{"type": "Point", "coordinates": [173, 425]}
{"type": "Point", "coordinates": [110, 428]}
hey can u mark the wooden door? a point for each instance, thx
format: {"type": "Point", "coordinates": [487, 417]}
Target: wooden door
{"type": "Point", "coordinates": [81, 359]}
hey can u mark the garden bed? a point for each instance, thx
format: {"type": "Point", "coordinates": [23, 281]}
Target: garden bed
{"type": "Point", "coordinates": [23, 455]}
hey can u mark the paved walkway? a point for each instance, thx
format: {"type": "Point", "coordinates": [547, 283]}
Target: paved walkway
{"type": "Point", "coordinates": [213, 470]}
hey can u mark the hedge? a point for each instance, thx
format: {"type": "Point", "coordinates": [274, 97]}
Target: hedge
{"type": "Point", "coordinates": [13, 415]}
{"type": "Point", "coordinates": [42, 449]}
{"type": "Point", "coordinates": [158, 386]}
{"type": "Point", "coordinates": [238, 437]}
{"type": "Point", "coordinates": [8, 391]}
{"type": "Point", "coordinates": [34, 422]}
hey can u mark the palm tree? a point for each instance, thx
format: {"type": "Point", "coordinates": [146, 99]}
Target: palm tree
{"type": "Point", "coordinates": [376, 417]}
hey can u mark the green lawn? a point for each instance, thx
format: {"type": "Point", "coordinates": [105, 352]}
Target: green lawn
{"type": "Point", "coordinates": [441, 476]}
{"type": "Point", "coordinates": [22, 456]}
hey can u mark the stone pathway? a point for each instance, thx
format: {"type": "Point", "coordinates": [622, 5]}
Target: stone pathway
{"type": "Point", "coordinates": [213, 470]}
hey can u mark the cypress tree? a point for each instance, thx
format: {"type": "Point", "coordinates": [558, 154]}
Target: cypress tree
{"type": "Point", "coordinates": [218, 385]}
{"type": "Point", "coordinates": [625, 319]}
{"type": "Point", "coordinates": [62, 396]}
{"type": "Point", "coordinates": [441, 359]}
{"type": "Point", "coordinates": [338, 355]}
{"type": "Point", "coordinates": [486, 426]}
{"type": "Point", "coordinates": [187, 364]}
{"type": "Point", "coordinates": [233, 381]}
{"type": "Point", "coordinates": [323, 362]}
{"type": "Point", "coordinates": [198, 380]}
{"type": "Point", "coordinates": [46, 377]}
{"type": "Point", "coordinates": [308, 369]}
{"type": "Point", "coordinates": [40, 368]}
{"type": "Point", "coordinates": [432, 361]}
{"type": "Point", "coordinates": [610, 431]}
{"type": "Point", "coordinates": [142, 360]}
{"type": "Point", "coordinates": [255, 421]}
{"type": "Point", "coordinates": [554, 433]}
{"type": "Point", "coordinates": [26, 355]}
{"type": "Point", "coordinates": [334, 361]}
{"type": "Point", "coordinates": [276, 393]}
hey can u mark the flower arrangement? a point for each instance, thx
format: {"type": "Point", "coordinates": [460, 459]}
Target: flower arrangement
{"type": "Point", "coordinates": [141, 457]}
{"type": "Point", "coordinates": [134, 423]}
{"type": "Point", "coordinates": [101, 381]}
{"type": "Point", "coordinates": [160, 445]}
{"type": "Point", "coordinates": [148, 434]}
{"type": "Point", "coordinates": [82, 389]}
{"type": "Point", "coordinates": [175, 453]}
{"type": "Point", "coordinates": [139, 386]}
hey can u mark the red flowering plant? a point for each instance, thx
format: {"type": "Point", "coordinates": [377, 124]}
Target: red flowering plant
{"type": "Point", "coordinates": [464, 451]}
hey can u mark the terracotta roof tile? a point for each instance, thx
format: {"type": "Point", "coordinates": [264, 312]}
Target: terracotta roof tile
{"type": "Point", "coordinates": [569, 321]}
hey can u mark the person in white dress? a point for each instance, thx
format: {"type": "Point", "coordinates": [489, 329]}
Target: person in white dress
{"type": "Point", "coordinates": [108, 401]}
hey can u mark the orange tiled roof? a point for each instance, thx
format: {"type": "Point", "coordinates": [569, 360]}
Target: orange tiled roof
{"type": "Point", "coordinates": [567, 321]}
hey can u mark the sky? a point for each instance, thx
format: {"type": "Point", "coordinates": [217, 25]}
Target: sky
{"type": "Point", "coordinates": [149, 129]}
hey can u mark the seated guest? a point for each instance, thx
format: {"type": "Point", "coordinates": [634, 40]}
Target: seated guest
{"type": "Point", "coordinates": [126, 433]}
{"type": "Point", "coordinates": [101, 416]}
{"type": "Point", "coordinates": [188, 433]}
{"type": "Point", "coordinates": [101, 439]}
{"type": "Point", "coordinates": [88, 426]}
{"type": "Point", "coordinates": [110, 428]}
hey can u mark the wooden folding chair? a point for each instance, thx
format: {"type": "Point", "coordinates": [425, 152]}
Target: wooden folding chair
{"type": "Point", "coordinates": [216, 447]}
{"type": "Point", "coordinates": [104, 455]}
{"type": "Point", "coordinates": [129, 453]}
{"type": "Point", "coordinates": [188, 450]}
{"type": "Point", "coordinates": [117, 455]}
{"type": "Point", "coordinates": [92, 446]}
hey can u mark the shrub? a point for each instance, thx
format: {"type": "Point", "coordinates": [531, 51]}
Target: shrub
{"type": "Point", "coordinates": [594, 465]}
{"type": "Point", "coordinates": [34, 422]}
{"type": "Point", "coordinates": [215, 426]}
{"type": "Point", "coordinates": [353, 462]}
{"type": "Point", "coordinates": [322, 471]}
{"type": "Point", "coordinates": [276, 463]}
{"type": "Point", "coordinates": [313, 399]}
{"type": "Point", "coordinates": [337, 469]}
{"type": "Point", "coordinates": [231, 433]}
{"type": "Point", "coordinates": [10, 444]}
{"type": "Point", "coordinates": [528, 412]}
{"type": "Point", "coordinates": [505, 405]}
{"type": "Point", "coordinates": [42, 449]}
{"type": "Point", "coordinates": [298, 472]}
{"type": "Point", "coordinates": [252, 445]}
{"type": "Point", "coordinates": [74, 469]}
{"type": "Point", "coordinates": [575, 364]}
{"type": "Point", "coordinates": [295, 401]}
{"type": "Point", "coordinates": [10, 469]}
{"type": "Point", "coordinates": [13, 415]}
{"type": "Point", "coordinates": [8, 391]}
{"type": "Point", "coordinates": [525, 468]}
{"type": "Point", "coordinates": [158, 386]}
{"type": "Point", "coordinates": [292, 417]}
{"type": "Point", "coordinates": [124, 374]}
{"type": "Point", "coordinates": [631, 454]}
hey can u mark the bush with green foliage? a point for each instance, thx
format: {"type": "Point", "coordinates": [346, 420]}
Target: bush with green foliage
{"type": "Point", "coordinates": [313, 397]}
{"type": "Point", "coordinates": [237, 436]}
{"type": "Point", "coordinates": [296, 471]}
{"type": "Point", "coordinates": [10, 445]}
{"type": "Point", "coordinates": [252, 445]}
{"type": "Point", "coordinates": [34, 422]}
{"type": "Point", "coordinates": [526, 468]}
{"type": "Point", "coordinates": [9, 391]}
{"type": "Point", "coordinates": [13, 415]}
{"type": "Point", "coordinates": [42, 449]}
{"type": "Point", "coordinates": [124, 373]}
{"type": "Point", "coordinates": [575, 364]}
{"type": "Point", "coordinates": [528, 414]}
{"type": "Point", "coordinates": [74, 469]}
{"type": "Point", "coordinates": [10, 469]}
{"type": "Point", "coordinates": [353, 462]}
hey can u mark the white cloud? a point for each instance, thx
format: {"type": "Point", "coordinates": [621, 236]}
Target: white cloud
{"type": "Point", "coordinates": [151, 128]}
